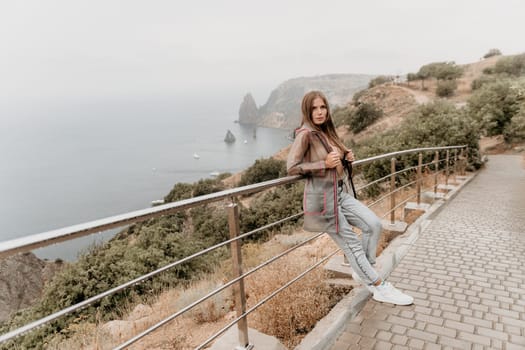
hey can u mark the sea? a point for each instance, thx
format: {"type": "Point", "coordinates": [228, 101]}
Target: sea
{"type": "Point", "coordinates": [66, 162]}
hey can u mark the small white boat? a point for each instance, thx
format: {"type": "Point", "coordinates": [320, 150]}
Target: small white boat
{"type": "Point", "coordinates": [245, 141]}
{"type": "Point", "coordinates": [196, 156]}
{"type": "Point", "coordinates": [214, 173]}
{"type": "Point", "coordinates": [157, 202]}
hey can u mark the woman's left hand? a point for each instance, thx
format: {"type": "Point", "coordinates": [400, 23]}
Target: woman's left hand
{"type": "Point", "coordinates": [350, 156]}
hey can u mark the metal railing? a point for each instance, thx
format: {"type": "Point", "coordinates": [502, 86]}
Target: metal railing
{"type": "Point", "coordinates": [452, 165]}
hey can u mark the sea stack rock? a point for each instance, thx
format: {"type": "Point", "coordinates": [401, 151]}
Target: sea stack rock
{"type": "Point", "coordinates": [248, 111]}
{"type": "Point", "coordinates": [230, 138]}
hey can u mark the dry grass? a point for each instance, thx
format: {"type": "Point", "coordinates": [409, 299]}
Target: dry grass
{"type": "Point", "coordinates": [292, 313]}
{"type": "Point", "coordinates": [212, 309]}
{"type": "Point", "coordinates": [300, 306]}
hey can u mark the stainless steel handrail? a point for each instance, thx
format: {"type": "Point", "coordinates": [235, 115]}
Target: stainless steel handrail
{"type": "Point", "coordinates": [400, 153]}
{"type": "Point", "coordinates": [95, 298]}
{"type": "Point", "coordinates": [39, 240]}
{"type": "Point", "coordinates": [51, 237]}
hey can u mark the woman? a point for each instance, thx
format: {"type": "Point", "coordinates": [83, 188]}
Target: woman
{"type": "Point", "coordinates": [317, 152]}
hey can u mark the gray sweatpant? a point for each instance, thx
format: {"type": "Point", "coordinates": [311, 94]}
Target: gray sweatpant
{"type": "Point", "coordinates": [361, 253]}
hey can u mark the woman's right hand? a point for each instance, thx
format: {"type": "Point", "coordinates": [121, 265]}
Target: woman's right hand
{"type": "Point", "coordinates": [332, 160]}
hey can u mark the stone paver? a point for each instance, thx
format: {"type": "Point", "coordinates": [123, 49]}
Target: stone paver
{"type": "Point", "coordinates": [466, 272]}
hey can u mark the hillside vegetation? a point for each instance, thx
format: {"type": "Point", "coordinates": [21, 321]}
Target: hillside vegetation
{"type": "Point", "coordinates": [488, 95]}
{"type": "Point", "coordinates": [487, 98]}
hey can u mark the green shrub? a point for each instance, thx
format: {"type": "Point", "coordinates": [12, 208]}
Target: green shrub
{"type": "Point", "coordinates": [207, 186]}
{"type": "Point", "coordinates": [495, 104]}
{"type": "Point", "coordinates": [263, 170]}
{"type": "Point", "coordinates": [364, 115]}
{"type": "Point", "coordinates": [179, 192]}
{"type": "Point", "coordinates": [512, 65]}
{"type": "Point", "coordinates": [357, 96]}
{"type": "Point", "coordinates": [210, 225]}
{"type": "Point", "coordinates": [515, 130]}
{"type": "Point", "coordinates": [488, 70]}
{"type": "Point", "coordinates": [482, 80]}
{"type": "Point", "coordinates": [340, 115]}
{"type": "Point", "coordinates": [433, 124]}
{"type": "Point", "coordinates": [446, 88]}
{"type": "Point", "coordinates": [202, 187]}
{"type": "Point", "coordinates": [223, 176]}
{"type": "Point", "coordinates": [274, 205]}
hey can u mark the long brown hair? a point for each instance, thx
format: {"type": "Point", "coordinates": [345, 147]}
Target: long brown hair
{"type": "Point", "coordinates": [328, 127]}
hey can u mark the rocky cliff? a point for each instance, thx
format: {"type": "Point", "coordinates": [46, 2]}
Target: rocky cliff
{"type": "Point", "coordinates": [283, 108]}
{"type": "Point", "coordinates": [248, 111]}
{"type": "Point", "coordinates": [22, 278]}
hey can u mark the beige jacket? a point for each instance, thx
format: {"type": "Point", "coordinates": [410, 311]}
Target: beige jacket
{"type": "Point", "coordinates": [307, 157]}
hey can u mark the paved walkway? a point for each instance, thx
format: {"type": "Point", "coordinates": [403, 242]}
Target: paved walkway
{"type": "Point", "coordinates": [466, 273]}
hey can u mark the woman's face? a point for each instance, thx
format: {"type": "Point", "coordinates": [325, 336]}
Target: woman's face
{"type": "Point", "coordinates": [319, 111]}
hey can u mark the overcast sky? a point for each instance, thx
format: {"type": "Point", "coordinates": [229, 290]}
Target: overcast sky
{"type": "Point", "coordinates": [70, 48]}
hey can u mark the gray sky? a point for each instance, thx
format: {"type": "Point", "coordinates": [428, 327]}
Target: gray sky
{"type": "Point", "coordinates": [71, 48]}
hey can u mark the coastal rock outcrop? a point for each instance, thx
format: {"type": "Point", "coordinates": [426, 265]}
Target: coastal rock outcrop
{"type": "Point", "coordinates": [248, 111]}
{"type": "Point", "coordinates": [22, 279]}
{"type": "Point", "coordinates": [283, 108]}
{"type": "Point", "coordinates": [229, 138]}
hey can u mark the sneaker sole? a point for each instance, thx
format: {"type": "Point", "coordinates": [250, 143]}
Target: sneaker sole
{"type": "Point", "coordinates": [391, 302]}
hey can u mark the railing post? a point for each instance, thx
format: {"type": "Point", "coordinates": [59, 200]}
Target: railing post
{"type": "Point", "coordinates": [455, 170]}
{"type": "Point", "coordinates": [466, 160]}
{"type": "Point", "coordinates": [238, 288]}
{"type": "Point", "coordinates": [419, 178]}
{"type": "Point", "coordinates": [446, 167]}
{"type": "Point", "coordinates": [392, 188]}
{"type": "Point", "coordinates": [461, 162]}
{"type": "Point", "coordinates": [436, 163]}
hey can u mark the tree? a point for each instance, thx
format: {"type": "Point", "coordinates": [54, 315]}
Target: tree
{"type": "Point", "coordinates": [495, 104]}
{"type": "Point", "coordinates": [441, 71]}
{"type": "Point", "coordinates": [492, 52]}
{"type": "Point", "coordinates": [447, 71]}
{"type": "Point", "coordinates": [412, 77]}
{"type": "Point", "coordinates": [424, 72]}
{"type": "Point", "coordinates": [380, 80]}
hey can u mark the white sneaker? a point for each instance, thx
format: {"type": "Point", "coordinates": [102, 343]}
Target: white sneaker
{"type": "Point", "coordinates": [387, 293]}
{"type": "Point", "coordinates": [358, 279]}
